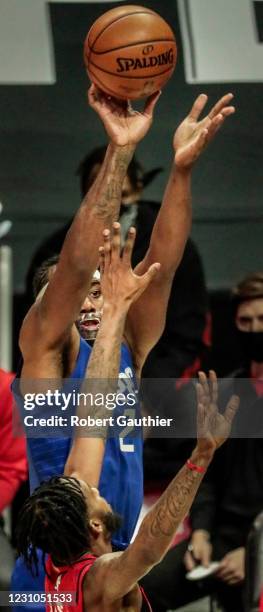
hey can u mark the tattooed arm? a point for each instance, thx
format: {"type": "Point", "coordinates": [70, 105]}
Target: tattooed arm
{"type": "Point", "coordinates": [120, 287]}
{"type": "Point", "coordinates": [60, 304]}
{"type": "Point", "coordinates": [119, 574]}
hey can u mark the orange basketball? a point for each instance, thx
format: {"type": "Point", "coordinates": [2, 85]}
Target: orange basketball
{"type": "Point", "coordinates": [130, 52]}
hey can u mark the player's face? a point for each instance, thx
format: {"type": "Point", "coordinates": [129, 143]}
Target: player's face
{"type": "Point", "coordinates": [96, 504]}
{"type": "Point", "coordinates": [249, 316]}
{"type": "Point", "coordinates": [90, 315]}
{"type": "Point", "coordinates": [100, 512]}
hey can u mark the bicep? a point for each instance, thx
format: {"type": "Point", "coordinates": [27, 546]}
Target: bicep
{"type": "Point", "coordinates": [115, 574]}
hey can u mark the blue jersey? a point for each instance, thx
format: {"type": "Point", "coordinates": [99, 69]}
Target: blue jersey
{"type": "Point", "coordinates": [121, 480]}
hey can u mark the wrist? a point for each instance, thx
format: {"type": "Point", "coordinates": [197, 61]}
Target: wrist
{"type": "Point", "coordinates": [115, 311]}
{"type": "Point", "coordinates": [184, 172]}
{"type": "Point", "coordinates": [113, 317]}
{"type": "Point", "coordinates": [200, 534]}
{"type": "Point", "coordinates": [202, 458]}
{"type": "Point", "coordinates": [128, 148]}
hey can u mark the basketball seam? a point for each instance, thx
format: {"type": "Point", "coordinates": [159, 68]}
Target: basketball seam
{"type": "Point", "coordinates": [118, 19]}
{"type": "Point", "coordinates": [127, 76]}
{"type": "Point", "coordinates": [102, 84]}
{"type": "Point", "coordinates": [155, 40]}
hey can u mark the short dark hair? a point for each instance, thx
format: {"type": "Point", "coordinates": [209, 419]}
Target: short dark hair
{"type": "Point", "coordinates": [40, 278]}
{"type": "Point", "coordinates": [135, 170]}
{"type": "Point", "coordinates": [54, 519]}
{"type": "Point", "coordinates": [249, 288]}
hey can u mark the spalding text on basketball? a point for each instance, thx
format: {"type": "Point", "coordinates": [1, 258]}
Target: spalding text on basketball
{"type": "Point", "coordinates": [133, 63]}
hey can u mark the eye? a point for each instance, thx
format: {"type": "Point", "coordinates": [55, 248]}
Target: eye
{"type": "Point", "coordinates": [96, 294]}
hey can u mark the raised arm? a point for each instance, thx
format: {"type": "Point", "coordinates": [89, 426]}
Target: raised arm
{"type": "Point", "coordinates": [63, 298]}
{"type": "Point", "coordinates": [146, 319]}
{"type": "Point", "coordinates": [115, 576]}
{"type": "Point", "coordinates": [120, 287]}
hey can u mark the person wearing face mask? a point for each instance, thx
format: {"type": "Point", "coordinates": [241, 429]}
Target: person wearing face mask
{"type": "Point", "coordinates": [248, 299]}
{"type": "Point", "coordinates": [231, 495]}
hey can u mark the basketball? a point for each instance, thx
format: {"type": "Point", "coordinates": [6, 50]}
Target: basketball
{"type": "Point", "coordinates": [130, 52]}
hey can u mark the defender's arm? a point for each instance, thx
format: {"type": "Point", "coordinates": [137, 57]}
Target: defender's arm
{"type": "Point", "coordinates": [119, 288]}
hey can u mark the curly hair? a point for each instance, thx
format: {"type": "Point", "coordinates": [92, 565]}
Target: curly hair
{"type": "Point", "coordinates": [54, 519]}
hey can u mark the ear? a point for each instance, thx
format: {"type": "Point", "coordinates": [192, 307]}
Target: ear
{"type": "Point", "coordinates": [96, 527]}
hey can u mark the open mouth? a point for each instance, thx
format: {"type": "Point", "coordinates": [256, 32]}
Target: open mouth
{"type": "Point", "coordinates": [90, 324]}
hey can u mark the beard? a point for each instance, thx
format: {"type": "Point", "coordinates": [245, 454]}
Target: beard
{"type": "Point", "coordinates": [112, 522]}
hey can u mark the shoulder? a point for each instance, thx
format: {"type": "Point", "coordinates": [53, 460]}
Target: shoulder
{"type": "Point", "coordinates": [33, 329]}
{"type": "Point", "coordinates": [94, 585]}
{"type": "Point", "coordinates": [42, 355]}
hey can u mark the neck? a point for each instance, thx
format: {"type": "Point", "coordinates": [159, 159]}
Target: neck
{"type": "Point", "coordinates": [257, 370]}
{"type": "Point", "coordinates": [100, 547]}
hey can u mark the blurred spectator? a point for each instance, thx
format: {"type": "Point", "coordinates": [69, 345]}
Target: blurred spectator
{"type": "Point", "coordinates": [13, 464]}
{"type": "Point", "coordinates": [231, 495]}
{"type": "Point", "coordinates": [13, 472]}
{"type": "Point", "coordinates": [254, 565]}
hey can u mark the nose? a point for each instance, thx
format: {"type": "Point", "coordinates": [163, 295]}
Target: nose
{"type": "Point", "coordinates": [88, 306]}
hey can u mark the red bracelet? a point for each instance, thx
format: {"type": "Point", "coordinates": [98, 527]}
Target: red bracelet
{"type": "Point", "coordinates": [196, 468]}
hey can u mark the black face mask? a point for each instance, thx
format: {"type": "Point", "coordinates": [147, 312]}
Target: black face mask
{"type": "Point", "coordinates": [252, 344]}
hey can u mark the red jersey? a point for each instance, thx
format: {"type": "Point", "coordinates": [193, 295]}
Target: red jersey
{"type": "Point", "coordinates": [69, 579]}
{"type": "Point", "coordinates": [13, 462]}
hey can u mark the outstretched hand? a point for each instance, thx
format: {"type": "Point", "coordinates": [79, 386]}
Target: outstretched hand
{"type": "Point", "coordinates": [123, 124]}
{"type": "Point", "coordinates": [213, 428]}
{"type": "Point", "coordinates": [120, 285]}
{"type": "Point", "coordinates": [192, 136]}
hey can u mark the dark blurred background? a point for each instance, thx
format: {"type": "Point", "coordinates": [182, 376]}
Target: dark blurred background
{"type": "Point", "coordinates": [47, 127]}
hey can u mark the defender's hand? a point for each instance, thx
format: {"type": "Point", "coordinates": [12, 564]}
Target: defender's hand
{"type": "Point", "coordinates": [213, 428]}
{"type": "Point", "coordinates": [123, 125]}
{"type": "Point", "coordinates": [120, 285]}
{"type": "Point", "coordinates": [192, 136]}
{"type": "Point", "coordinates": [199, 550]}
